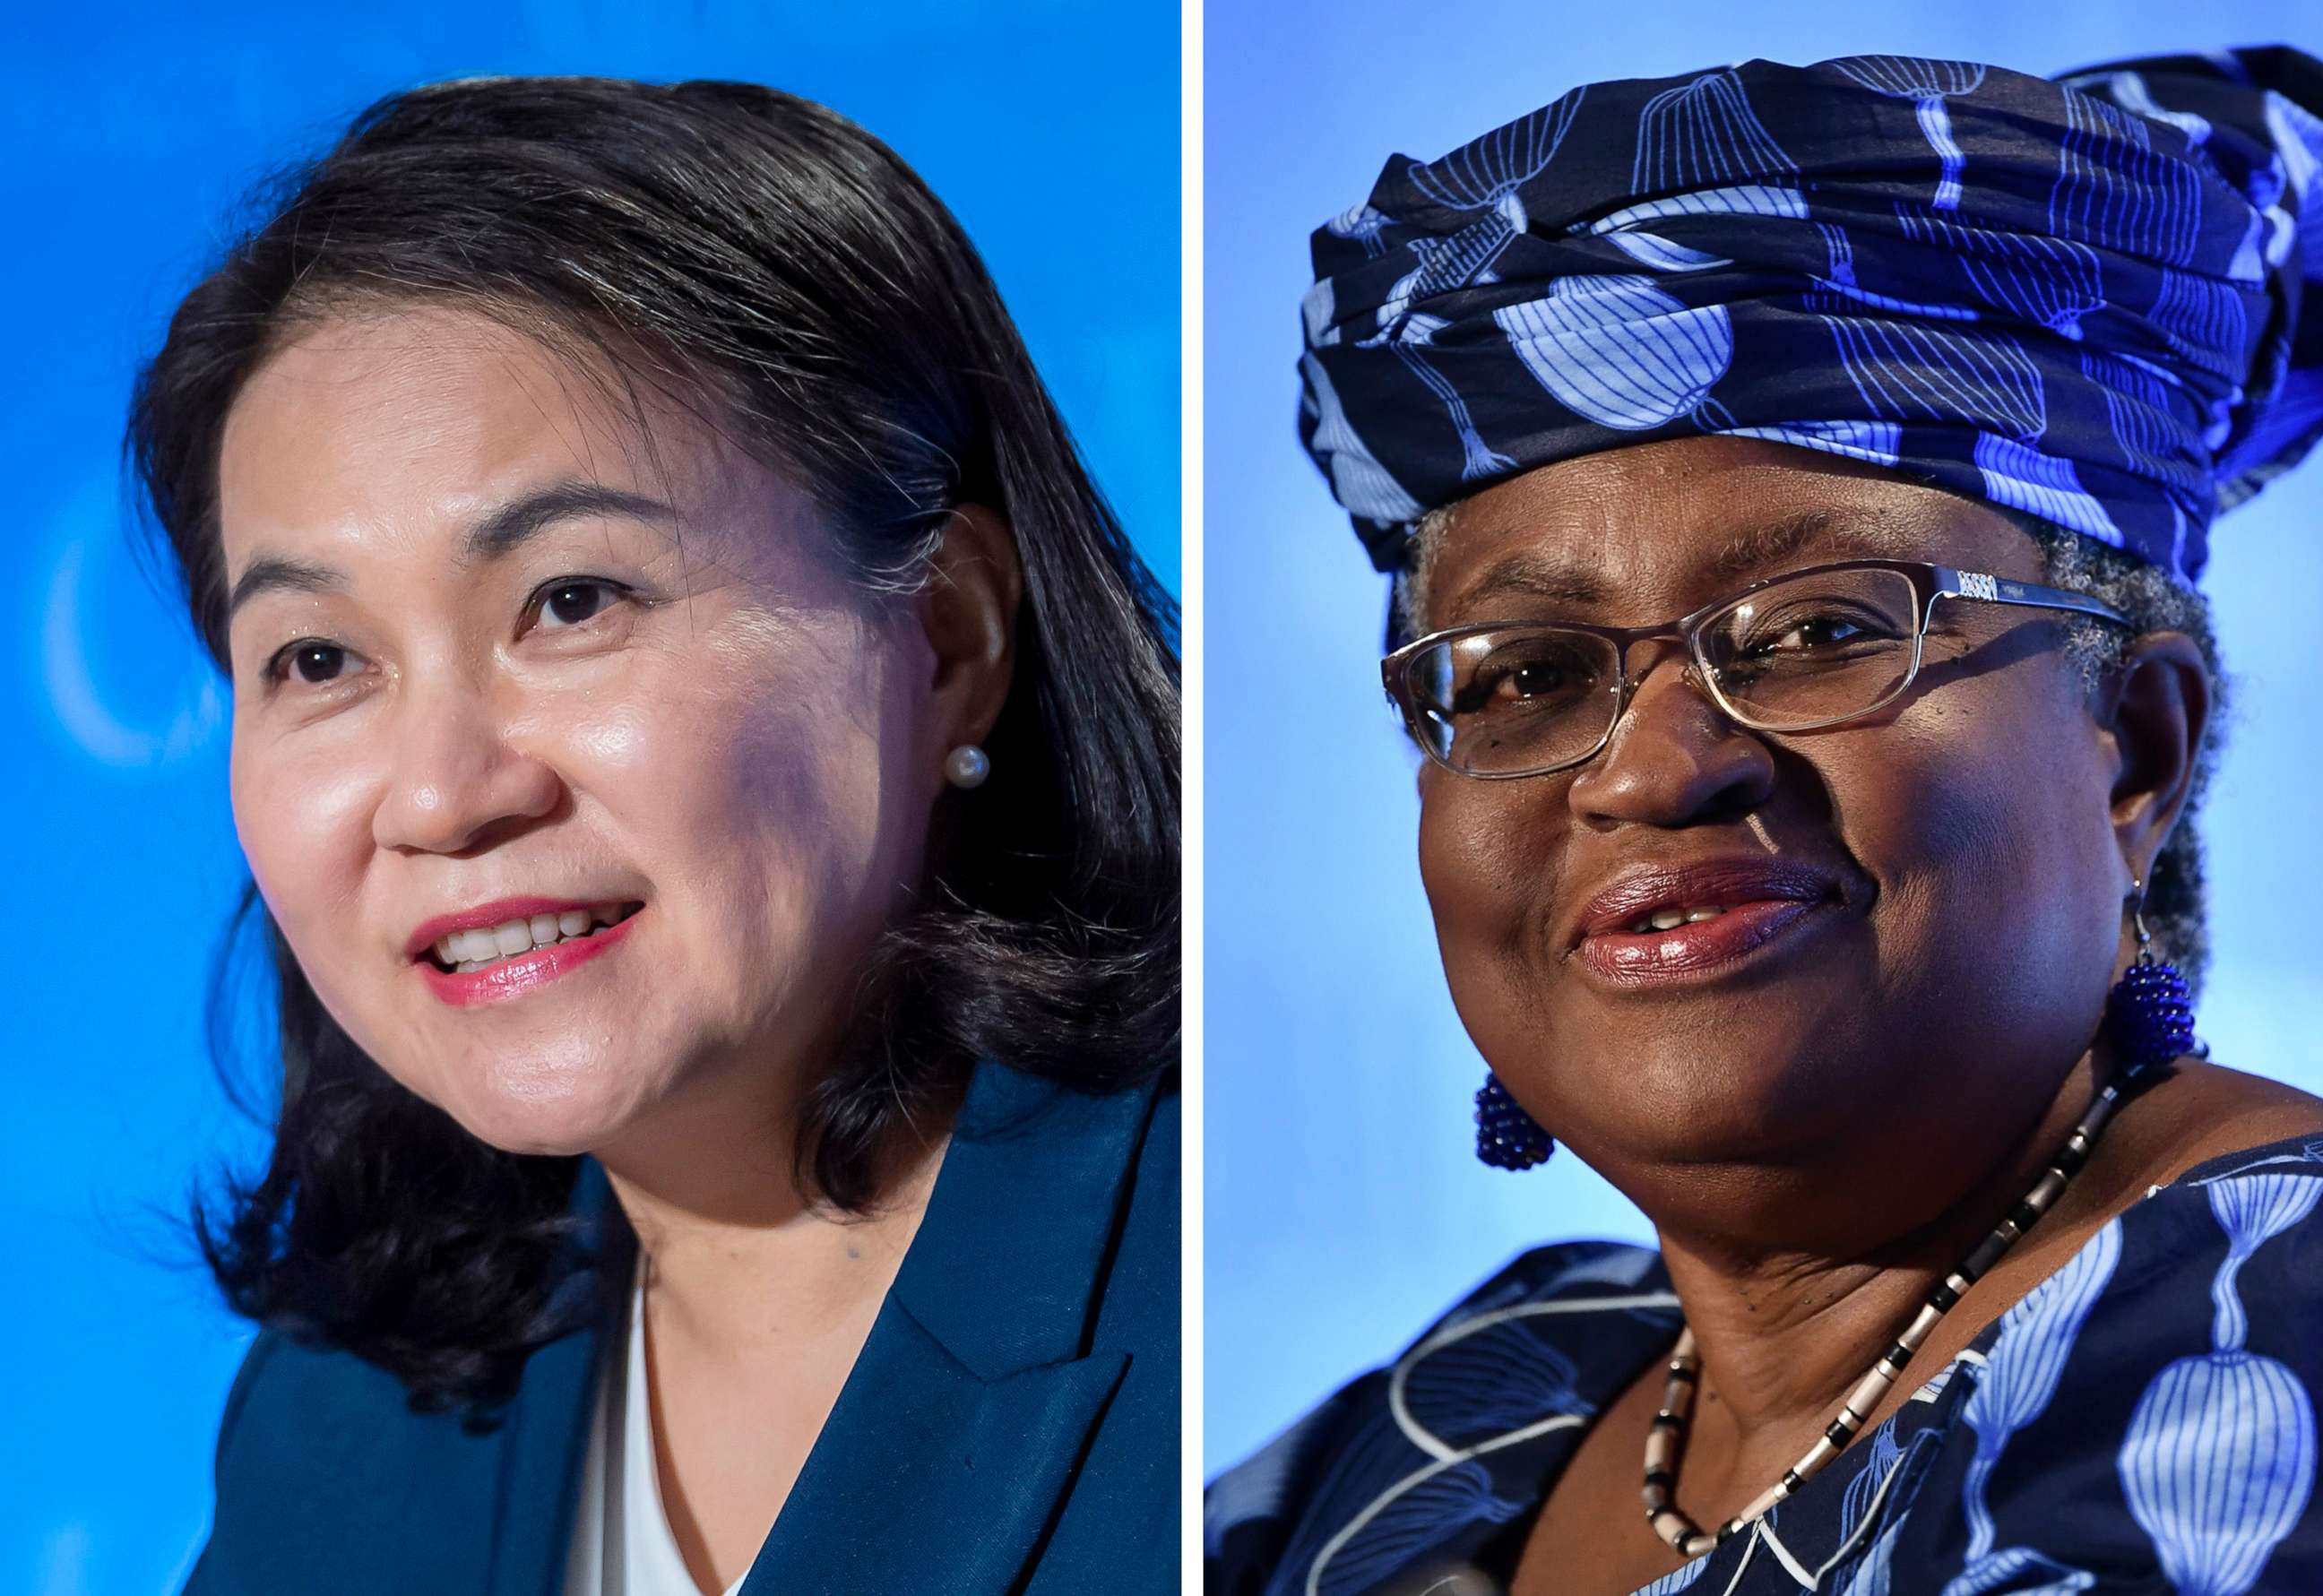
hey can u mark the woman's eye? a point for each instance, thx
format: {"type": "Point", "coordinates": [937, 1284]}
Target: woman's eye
{"type": "Point", "coordinates": [574, 602]}
{"type": "Point", "coordinates": [1511, 681]}
{"type": "Point", "coordinates": [1810, 633]}
{"type": "Point", "coordinates": [1549, 676]}
{"type": "Point", "coordinates": [1530, 680]}
{"type": "Point", "coordinates": [309, 661]}
{"type": "Point", "coordinates": [1822, 630]}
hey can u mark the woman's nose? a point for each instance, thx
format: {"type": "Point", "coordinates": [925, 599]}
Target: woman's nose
{"type": "Point", "coordinates": [457, 779]}
{"type": "Point", "coordinates": [1673, 759]}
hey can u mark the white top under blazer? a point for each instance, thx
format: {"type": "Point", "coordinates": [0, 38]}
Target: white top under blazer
{"type": "Point", "coordinates": [621, 1544]}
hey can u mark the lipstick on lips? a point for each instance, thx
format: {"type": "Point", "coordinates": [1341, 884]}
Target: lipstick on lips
{"type": "Point", "coordinates": [1668, 923]}
{"type": "Point", "coordinates": [513, 976]}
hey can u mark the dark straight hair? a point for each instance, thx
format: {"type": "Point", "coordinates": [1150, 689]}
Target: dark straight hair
{"type": "Point", "coordinates": [789, 278]}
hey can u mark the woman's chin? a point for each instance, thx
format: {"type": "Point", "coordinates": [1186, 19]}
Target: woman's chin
{"type": "Point", "coordinates": [543, 1111]}
{"type": "Point", "coordinates": [1734, 1104]}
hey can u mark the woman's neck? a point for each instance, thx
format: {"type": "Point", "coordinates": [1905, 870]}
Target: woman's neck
{"type": "Point", "coordinates": [1783, 1331]}
{"type": "Point", "coordinates": [1784, 1334]}
{"type": "Point", "coordinates": [742, 1260]}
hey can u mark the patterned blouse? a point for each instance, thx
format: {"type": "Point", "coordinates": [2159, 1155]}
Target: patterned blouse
{"type": "Point", "coordinates": [2142, 1422]}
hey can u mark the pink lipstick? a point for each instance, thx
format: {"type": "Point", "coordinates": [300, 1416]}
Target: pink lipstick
{"type": "Point", "coordinates": [514, 977]}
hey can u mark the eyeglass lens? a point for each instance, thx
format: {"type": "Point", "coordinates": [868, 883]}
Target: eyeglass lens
{"type": "Point", "coordinates": [1822, 647]}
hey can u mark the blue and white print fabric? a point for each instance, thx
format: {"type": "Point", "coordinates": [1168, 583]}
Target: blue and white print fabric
{"type": "Point", "coordinates": [2142, 1421]}
{"type": "Point", "coordinates": [2078, 298]}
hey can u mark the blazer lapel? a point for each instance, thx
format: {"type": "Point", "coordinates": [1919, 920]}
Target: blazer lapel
{"type": "Point", "coordinates": [547, 1426]}
{"type": "Point", "coordinates": [960, 1425]}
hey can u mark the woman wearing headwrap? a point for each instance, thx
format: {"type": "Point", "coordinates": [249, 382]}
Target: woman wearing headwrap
{"type": "Point", "coordinates": [1796, 480]}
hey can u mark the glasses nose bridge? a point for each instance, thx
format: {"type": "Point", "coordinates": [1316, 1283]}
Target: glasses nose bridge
{"type": "Point", "coordinates": [1675, 633]}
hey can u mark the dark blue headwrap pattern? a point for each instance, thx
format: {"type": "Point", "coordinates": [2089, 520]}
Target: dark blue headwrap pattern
{"type": "Point", "coordinates": [2079, 297]}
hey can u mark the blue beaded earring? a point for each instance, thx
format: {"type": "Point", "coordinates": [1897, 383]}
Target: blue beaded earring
{"type": "Point", "coordinates": [2148, 1017]}
{"type": "Point", "coordinates": [1507, 1137]}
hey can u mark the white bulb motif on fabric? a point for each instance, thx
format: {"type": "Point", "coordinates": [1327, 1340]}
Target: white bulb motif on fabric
{"type": "Point", "coordinates": [1358, 481]}
{"type": "Point", "coordinates": [2220, 1458]}
{"type": "Point", "coordinates": [1484, 178]}
{"type": "Point", "coordinates": [2116, 191]}
{"type": "Point", "coordinates": [2053, 283]}
{"type": "Point", "coordinates": [1619, 351]}
{"type": "Point", "coordinates": [1926, 83]}
{"type": "Point", "coordinates": [1704, 134]}
{"type": "Point", "coordinates": [2017, 1383]}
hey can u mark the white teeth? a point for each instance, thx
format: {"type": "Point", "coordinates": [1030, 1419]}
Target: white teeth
{"type": "Point", "coordinates": [473, 949]}
{"type": "Point", "coordinates": [1662, 919]}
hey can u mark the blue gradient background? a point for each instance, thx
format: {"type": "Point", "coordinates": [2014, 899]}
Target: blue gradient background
{"type": "Point", "coordinates": [1051, 128]}
{"type": "Point", "coordinates": [1344, 1204]}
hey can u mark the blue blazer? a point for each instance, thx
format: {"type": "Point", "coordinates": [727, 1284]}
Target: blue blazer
{"type": "Point", "coordinates": [1011, 1425]}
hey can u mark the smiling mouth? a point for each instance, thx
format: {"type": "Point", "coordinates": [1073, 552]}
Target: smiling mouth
{"type": "Point", "coordinates": [468, 951]}
{"type": "Point", "coordinates": [1697, 942]}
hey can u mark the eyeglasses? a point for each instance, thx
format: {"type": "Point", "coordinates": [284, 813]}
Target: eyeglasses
{"type": "Point", "coordinates": [1794, 653]}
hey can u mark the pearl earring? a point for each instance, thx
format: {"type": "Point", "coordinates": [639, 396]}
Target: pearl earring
{"type": "Point", "coordinates": [967, 765]}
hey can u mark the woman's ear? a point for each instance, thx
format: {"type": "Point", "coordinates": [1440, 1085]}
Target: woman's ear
{"type": "Point", "coordinates": [969, 612]}
{"type": "Point", "coordinates": [2157, 711]}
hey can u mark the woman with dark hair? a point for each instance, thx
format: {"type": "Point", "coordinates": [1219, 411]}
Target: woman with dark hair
{"type": "Point", "coordinates": [1794, 481]}
{"type": "Point", "coordinates": [728, 1130]}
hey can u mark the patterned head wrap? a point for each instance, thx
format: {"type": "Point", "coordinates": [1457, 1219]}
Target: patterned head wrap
{"type": "Point", "coordinates": [2079, 299]}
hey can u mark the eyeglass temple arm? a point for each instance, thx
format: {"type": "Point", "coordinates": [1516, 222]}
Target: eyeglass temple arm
{"type": "Point", "coordinates": [1999, 590]}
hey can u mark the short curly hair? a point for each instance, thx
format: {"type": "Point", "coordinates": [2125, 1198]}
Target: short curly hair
{"type": "Point", "coordinates": [2175, 902]}
{"type": "Point", "coordinates": [2151, 601]}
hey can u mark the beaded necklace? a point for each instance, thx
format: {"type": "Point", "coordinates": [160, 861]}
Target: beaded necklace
{"type": "Point", "coordinates": [1665, 1440]}
{"type": "Point", "coordinates": [2150, 1022]}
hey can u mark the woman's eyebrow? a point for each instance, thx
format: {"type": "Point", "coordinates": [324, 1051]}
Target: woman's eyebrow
{"type": "Point", "coordinates": [1530, 575]}
{"type": "Point", "coordinates": [502, 532]}
{"type": "Point", "coordinates": [496, 536]}
{"type": "Point", "coordinates": [1845, 533]}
